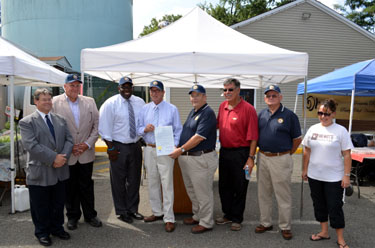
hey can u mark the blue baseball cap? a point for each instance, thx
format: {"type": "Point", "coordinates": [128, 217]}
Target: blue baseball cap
{"type": "Point", "coordinates": [125, 80]}
{"type": "Point", "coordinates": [272, 87]}
{"type": "Point", "coordinates": [157, 84]}
{"type": "Point", "coordinates": [72, 78]}
{"type": "Point", "coordinates": [197, 88]}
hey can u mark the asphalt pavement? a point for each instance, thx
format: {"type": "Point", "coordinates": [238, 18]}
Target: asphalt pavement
{"type": "Point", "coordinates": [16, 230]}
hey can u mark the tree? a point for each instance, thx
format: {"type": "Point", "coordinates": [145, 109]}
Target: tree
{"type": "Point", "coordinates": [362, 12]}
{"type": "Point", "coordinates": [231, 12]}
{"type": "Point", "coordinates": [155, 24]}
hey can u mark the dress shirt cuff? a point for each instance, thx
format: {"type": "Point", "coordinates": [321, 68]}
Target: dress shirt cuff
{"type": "Point", "coordinates": [88, 145]}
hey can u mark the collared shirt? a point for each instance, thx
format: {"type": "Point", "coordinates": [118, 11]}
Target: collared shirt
{"type": "Point", "coordinates": [277, 131]}
{"type": "Point", "coordinates": [168, 116]}
{"type": "Point", "coordinates": [74, 106]}
{"type": "Point", "coordinates": [202, 123]}
{"type": "Point", "coordinates": [43, 115]}
{"type": "Point", "coordinates": [114, 118]}
{"type": "Point", "coordinates": [237, 126]}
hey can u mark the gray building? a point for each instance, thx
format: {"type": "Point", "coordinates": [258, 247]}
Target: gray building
{"type": "Point", "coordinates": [331, 40]}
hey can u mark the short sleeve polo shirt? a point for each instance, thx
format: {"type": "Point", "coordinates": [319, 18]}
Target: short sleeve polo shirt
{"type": "Point", "coordinates": [277, 131]}
{"type": "Point", "coordinates": [202, 123]}
{"type": "Point", "coordinates": [237, 126]}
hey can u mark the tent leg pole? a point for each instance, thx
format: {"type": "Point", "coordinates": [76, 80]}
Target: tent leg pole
{"type": "Point", "coordinates": [12, 128]}
{"type": "Point", "coordinates": [83, 81]}
{"type": "Point", "coordinates": [304, 132]}
{"type": "Point", "coordinates": [351, 112]}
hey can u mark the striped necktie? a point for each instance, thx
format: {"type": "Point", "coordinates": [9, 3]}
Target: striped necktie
{"type": "Point", "coordinates": [156, 116]}
{"type": "Point", "coordinates": [50, 126]}
{"type": "Point", "coordinates": [131, 120]}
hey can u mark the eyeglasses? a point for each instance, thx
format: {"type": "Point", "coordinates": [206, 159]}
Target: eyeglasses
{"type": "Point", "coordinates": [230, 90]}
{"type": "Point", "coordinates": [324, 114]}
{"type": "Point", "coordinates": [272, 96]}
{"type": "Point", "coordinates": [74, 85]}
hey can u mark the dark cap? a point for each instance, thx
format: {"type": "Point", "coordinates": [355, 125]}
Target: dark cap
{"type": "Point", "coordinates": [157, 84]}
{"type": "Point", "coordinates": [125, 80]}
{"type": "Point", "coordinates": [72, 78]}
{"type": "Point", "coordinates": [272, 87]}
{"type": "Point", "coordinates": [197, 88]}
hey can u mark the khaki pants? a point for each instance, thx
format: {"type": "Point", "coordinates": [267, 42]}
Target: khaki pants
{"type": "Point", "coordinates": [198, 174]}
{"type": "Point", "coordinates": [274, 175]}
{"type": "Point", "coordinates": [160, 172]}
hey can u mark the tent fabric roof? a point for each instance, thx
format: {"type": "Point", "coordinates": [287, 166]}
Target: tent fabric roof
{"type": "Point", "coordinates": [196, 48]}
{"type": "Point", "coordinates": [359, 76]}
{"type": "Point", "coordinates": [25, 68]}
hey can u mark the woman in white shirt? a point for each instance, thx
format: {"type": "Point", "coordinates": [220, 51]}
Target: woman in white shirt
{"type": "Point", "coordinates": [327, 165]}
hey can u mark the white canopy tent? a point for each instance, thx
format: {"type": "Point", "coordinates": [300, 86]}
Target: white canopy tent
{"type": "Point", "coordinates": [196, 48]}
{"type": "Point", "coordinates": [20, 68]}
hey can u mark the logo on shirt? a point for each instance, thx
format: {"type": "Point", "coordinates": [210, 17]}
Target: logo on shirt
{"type": "Point", "coordinates": [322, 137]}
{"type": "Point", "coordinates": [196, 118]}
{"type": "Point", "coordinates": [280, 120]}
{"type": "Point", "coordinates": [234, 118]}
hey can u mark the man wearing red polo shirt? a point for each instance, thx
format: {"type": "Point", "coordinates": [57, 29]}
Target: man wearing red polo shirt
{"type": "Point", "coordinates": [238, 125]}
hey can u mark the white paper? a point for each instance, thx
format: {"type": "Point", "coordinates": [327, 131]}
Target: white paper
{"type": "Point", "coordinates": [164, 140]}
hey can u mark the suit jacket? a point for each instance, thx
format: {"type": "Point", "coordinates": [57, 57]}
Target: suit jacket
{"type": "Point", "coordinates": [43, 148]}
{"type": "Point", "coordinates": [88, 125]}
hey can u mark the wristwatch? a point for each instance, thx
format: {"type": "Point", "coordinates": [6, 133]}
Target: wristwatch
{"type": "Point", "coordinates": [182, 149]}
{"type": "Point", "coordinates": [252, 157]}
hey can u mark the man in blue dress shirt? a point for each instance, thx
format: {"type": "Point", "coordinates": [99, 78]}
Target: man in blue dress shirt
{"type": "Point", "coordinates": [155, 114]}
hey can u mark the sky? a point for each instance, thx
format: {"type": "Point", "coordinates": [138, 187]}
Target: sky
{"type": "Point", "coordinates": [145, 10]}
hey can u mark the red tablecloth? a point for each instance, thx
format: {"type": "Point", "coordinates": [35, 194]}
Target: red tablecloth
{"type": "Point", "coordinates": [360, 153]}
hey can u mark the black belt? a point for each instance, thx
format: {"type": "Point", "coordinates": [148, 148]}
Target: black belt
{"type": "Point", "coordinates": [271, 154]}
{"type": "Point", "coordinates": [124, 143]}
{"type": "Point", "coordinates": [197, 153]}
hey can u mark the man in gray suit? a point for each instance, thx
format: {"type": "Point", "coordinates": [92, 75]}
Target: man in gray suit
{"type": "Point", "coordinates": [47, 139]}
{"type": "Point", "coordinates": [82, 117]}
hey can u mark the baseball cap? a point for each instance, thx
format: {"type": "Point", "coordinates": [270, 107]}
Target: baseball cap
{"type": "Point", "coordinates": [157, 84]}
{"type": "Point", "coordinates": [197, 88]}
{"type": "Point", "coordinates": [125, 80]}
{"type": "Point", "coordinates": [72, 78]}
{"type": "Point", "coordinates": [272, 87]}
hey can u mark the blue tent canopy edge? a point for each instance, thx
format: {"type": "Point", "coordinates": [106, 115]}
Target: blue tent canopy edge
{"type": "Point", "coordinates": [360, 76]}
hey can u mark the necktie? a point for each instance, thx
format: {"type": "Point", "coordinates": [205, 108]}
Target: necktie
{"type": "Point", "coordinates": [131, 120]}
{"type": "Point", "coordinates": [50, 126]}
{"type": "Point", "coordinates": [156, 116]}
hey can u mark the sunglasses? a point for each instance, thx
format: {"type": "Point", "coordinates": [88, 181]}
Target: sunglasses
{"type": "Point", "coordinates": [230, 90]}
{"type": "Point", "coordinates": [272, 96]}
{"type": "Point", "coordinates": [324, 114]}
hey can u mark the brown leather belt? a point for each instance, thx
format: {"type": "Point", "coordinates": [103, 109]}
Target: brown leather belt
{"type": "Point", "coordinates": [152, 145]}
{"type": "Point", "coordinates": [197, 153]}
{"type": "Point", "coordinates": [270, 154]}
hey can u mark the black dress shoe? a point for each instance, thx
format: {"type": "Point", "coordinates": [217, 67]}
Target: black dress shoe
{"type": "Point", "coordinates": [45, 241]}
{"type": "Point", "coordinates": [136, 216]}
{"type": "Point", "coordinates": [72, 224]}
{"type": "Point", "coordinates": [62, 235]}
{"type": "Point", "coordinates": [95, 222]}
{"type": "Point", "coordinates": [126, 218]}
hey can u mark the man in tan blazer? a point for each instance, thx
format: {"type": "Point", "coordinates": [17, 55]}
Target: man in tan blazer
{"type": "Point", "coordinates": [82, 118]}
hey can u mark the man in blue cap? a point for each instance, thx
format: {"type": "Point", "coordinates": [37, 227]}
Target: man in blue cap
{"type": "Point", "coordinates": [155, 114]}
{"type": "Point", "coordinates": [198, 160]}
{"type": "Point", "coordinates": [279, 138]}
{"type": "Point", "coordinates": [82, 117]}
{"type": "Point", "coordinates": [117, 127]}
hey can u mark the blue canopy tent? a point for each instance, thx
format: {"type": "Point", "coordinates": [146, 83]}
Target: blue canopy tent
{"type": "Point", "coordinates": [354, 80]}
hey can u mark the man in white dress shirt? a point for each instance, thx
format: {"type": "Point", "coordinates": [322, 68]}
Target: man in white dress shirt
{"type": "Point", "coordinates": [159, 168]}
{"type": "Point", "coordinates": [117, 127]}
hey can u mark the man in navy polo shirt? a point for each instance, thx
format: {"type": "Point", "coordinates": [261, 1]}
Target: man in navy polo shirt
{"type": "Point", "coordinates": [279, 138]}
{"type": "Point", "coordinates": [198, 160]}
